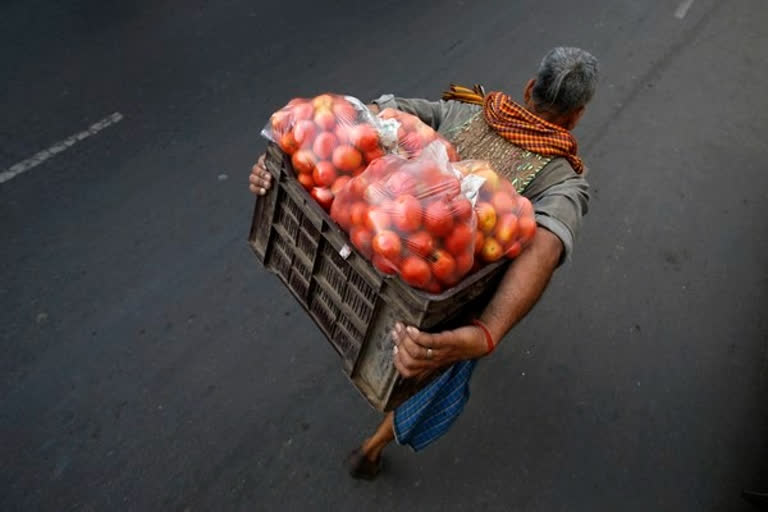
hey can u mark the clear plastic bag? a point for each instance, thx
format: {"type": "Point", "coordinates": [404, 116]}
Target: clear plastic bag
{"type": "Point", "coordinates": [505, 219]}
{"type": "Point", "coordinates": [330, 138]}
{"type": "Point", "coordinates": [413, 218]}
{"type": "Point", "coordinates": [413, 135]}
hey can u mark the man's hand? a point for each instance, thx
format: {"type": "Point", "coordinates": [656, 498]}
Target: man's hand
{"type": "Point", "coordinates": [418, 353]}
{"type": "Point", "coordinates": [260, 178]}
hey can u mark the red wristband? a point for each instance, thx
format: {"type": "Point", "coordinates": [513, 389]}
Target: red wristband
{"type": "Point", "coordinates": [488, 337]}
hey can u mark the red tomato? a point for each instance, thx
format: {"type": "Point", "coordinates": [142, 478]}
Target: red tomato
{"type": "Point", "coordinates": [503, 202]}
{"type": "Point", "coordinates": [325, 120]}
{"type": "Point", "coordinates": [340, 214]}
{"type": "Point", "coordinates": [527, 227]}
{"type": "Point", "coordinates": [341, 133]}
{"type": "Point", "coordinates": [365, 137]}
{"type": "Point", "coordinates": [358, 186]}
{"type": "Point", "coordinates": [407, 213]}
{"type": "Point", "coordinates": [372, 155]}
{"type": "Point", "coordinates": [324, 145]}
{"type": "Point", "coordinates": [323, 196]}
{"type": "Point", "coordinates": [358, 214]}
{"type": "Point", "coordinates": [345, 112]}
{"type": "Point", "coordinates": [415, 271]}
{"type": "Point", "coordinates": [339, 184]}
{"type": "Point", "coordinates": [304, 161]}
{"type": "Point", "coordinates": [492, 250]}
{"type": "Point", "coordinates": [400, 183]}
{"type": "Point", "coordinates": [377, 219]}
{"type": "Point", "coordinates": [479, 242]}
{"type": "Point", "coordinates": [375, 194]}
{"type": "Point", "coordinates": [410, 144]}
{"type": "Point", "coordinates": [306, 181]}
{"type": "Point", "coordinates": [459, 240]}
{"type": "Point", "coordinates": [506, 228]}
{"type": "Point", "coordinates": [514, 250]}
{"type": "Point", "coordinates": [324, 174]}
{"type": "Point", "coordinates": [421, 244]}
{"type": "Point", "coordinates": [444, 267]}
{"type": "Point", "coordinates": [447, 186]}
{"type": "Point", "coordinates": [384, 265]}
{"type": "Point", "coordinates": [281, 121]}
{"type": "Point", "coordinates": [361, 238]}
{"type": "Point", "coordinates": [288, 143]}
{"type": "Point", "coordinates": [323, 101]}
{"type": "Point", "coordinates": [387, 245]}
{"type": "Point", "coordinates": [462, 208]}
{"type": "Point", "coordinates": [304, 132]}
{"type": "Point", "coordinates": [433, 287]}
{"type": "Point", "coordinates": [347, 158]}
{"type": "Point", "coordinates": [486, 217]}
{"type": "Point", "coordinates": [524, 207]}
{"type": "Point", "coordinates": [303, 111]}
{"type": "Point", "coordinates": [438, 219]}
{"type": "Point", "coordinates": [464, 263]}
{"type": "Point", "coordinates": [378, 168]}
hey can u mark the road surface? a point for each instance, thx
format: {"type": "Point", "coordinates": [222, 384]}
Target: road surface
{"type": "Point", "coordinates": [149, 363]}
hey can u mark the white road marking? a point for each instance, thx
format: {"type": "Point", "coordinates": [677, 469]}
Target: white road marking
{"type": "Point", "coordinates": [60, 146]}
{"type": "Point", "coordinates": [682, 9]}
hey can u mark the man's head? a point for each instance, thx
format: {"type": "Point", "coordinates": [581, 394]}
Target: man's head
{"type": "Point", "coordinates": [566, 81]}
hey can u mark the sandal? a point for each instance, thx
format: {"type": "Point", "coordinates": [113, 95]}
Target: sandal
{"type": "Point", "coordinates": [361, 467]}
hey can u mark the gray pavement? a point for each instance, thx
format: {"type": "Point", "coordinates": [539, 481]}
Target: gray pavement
{"type": "Point", "coordinates": [149, 363]}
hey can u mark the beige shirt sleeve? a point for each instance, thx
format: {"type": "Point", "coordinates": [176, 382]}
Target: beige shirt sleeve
{"type": "Point", "coordinates": [443, 116]}
{"type": "Point", "coordinates": [560, 199]}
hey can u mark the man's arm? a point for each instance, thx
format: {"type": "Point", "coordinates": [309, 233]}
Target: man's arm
{"type": "Point", "coordinates": [430, 112]}
{"type": "Point", "coordinates": [521, 287]}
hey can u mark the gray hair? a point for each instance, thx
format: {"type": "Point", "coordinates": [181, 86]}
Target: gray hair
{"type": "Point", "coordinates": [566, 80]}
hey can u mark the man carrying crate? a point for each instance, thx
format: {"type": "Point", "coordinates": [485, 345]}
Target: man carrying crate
{"type": "Point", "coordinates": [554, 102]}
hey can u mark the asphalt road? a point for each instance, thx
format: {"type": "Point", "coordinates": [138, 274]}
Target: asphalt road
{"type": "Point", "coordinates": [149, 363]}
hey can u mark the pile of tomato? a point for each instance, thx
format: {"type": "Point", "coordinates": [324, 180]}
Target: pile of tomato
{"type": "Point", "coordinates": [505, 219]}
{"type": "Point", "coordinates": [405, 207]}
{"type": "Point", "coordinates": [413, 135]}
{"type": "Point", "coordinates": [330, 138]}
{"type": "Point", "coordinates": [410, 218]}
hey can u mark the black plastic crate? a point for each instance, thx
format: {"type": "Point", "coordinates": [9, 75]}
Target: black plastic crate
{"type": "Point", "coordinates": [353, 304]}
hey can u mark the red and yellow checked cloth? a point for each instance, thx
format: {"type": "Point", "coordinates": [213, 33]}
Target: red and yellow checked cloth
{"type": "Point", "coordinates": [528, 131]}
{"type": "Point", "coordinates": [519, 126]}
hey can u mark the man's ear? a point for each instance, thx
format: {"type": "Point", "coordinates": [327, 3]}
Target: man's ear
{"type": "Point", "coordinates": [573, 118]}
{"type": "Point", "coordinates": [528, 91]}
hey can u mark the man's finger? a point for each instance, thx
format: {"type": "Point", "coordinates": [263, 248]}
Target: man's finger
{"type": "Point", "coordinates": [425, 339]}
{"type": "Point", "coordinates": [402, 370]}
{"type": "Point", "coordinates": [259, 182]}
{"type": "Point", "coordinates": [414, 349]}
{"type": "Point", "coordinates": [257, 190]}
{"type": "Point", "coordinates": [410, 362]}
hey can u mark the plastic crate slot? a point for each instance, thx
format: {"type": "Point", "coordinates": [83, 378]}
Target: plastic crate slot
{"type": "Point", "coordinates": [302, 267]}
{"type": "Point", "coordinates": [358, 304]}
{"type": "Point", "coordinates": [286, 219]}
{"type": "Point", "coordinates": [306, 245]}
{"type": "Point", "coordinates": [294, 208]}
{"type": "Point", "coordinates": [347, 345]}
{"type": "Point", "coordinates": [349, 328]}
{"type": "Point", "coordinates": [332, 275]}
{"type": "Point", "coordinates": [306, 223]}
{"type": "Point", "coordinates": [324, 310]}
{"type": "Point", "coordinates": [363, 287]}
{"type": "Point", "coordinates": [299, 286]}
{"type": "Point", "coordinates": [280, 263]}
